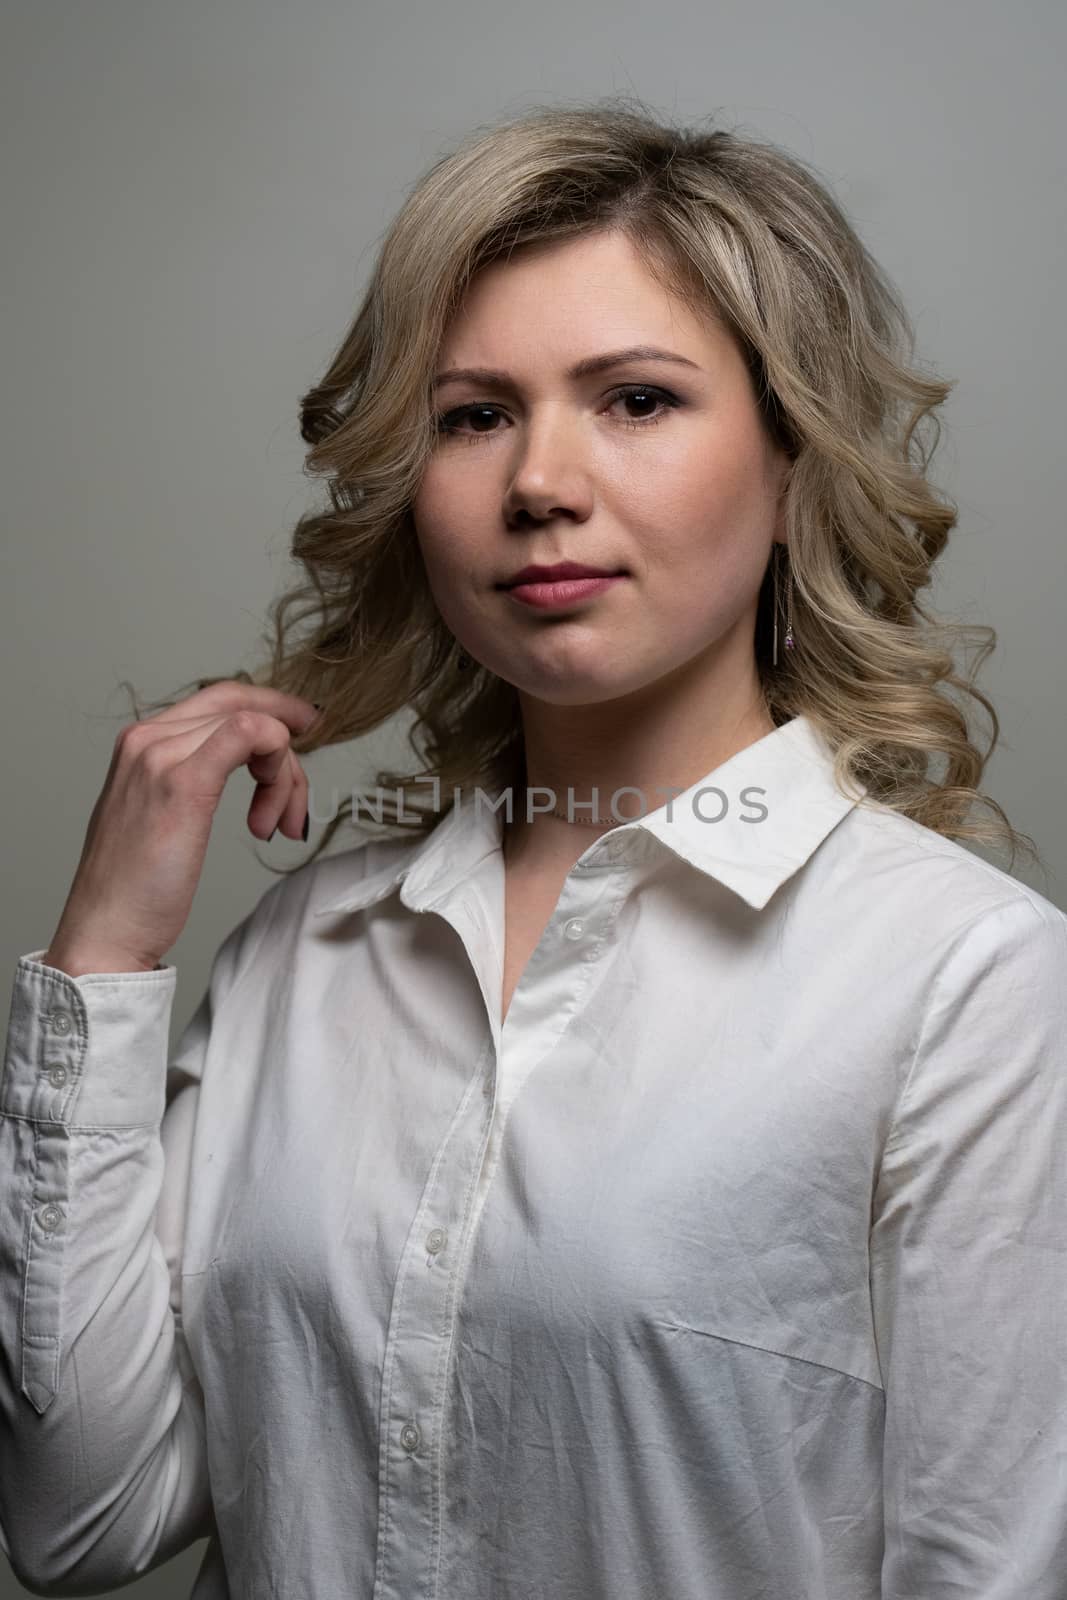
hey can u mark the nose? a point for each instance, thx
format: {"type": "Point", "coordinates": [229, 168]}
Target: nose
{"type": "Point", "coordinates": [550, 478]}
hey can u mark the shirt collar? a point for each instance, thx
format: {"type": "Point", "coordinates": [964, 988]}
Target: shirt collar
{"type": "Point", "coordinates": [776, 801]}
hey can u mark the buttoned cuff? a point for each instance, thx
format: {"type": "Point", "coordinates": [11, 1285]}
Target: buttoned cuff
{"type": "Point", "coordinates": [89, 1051]}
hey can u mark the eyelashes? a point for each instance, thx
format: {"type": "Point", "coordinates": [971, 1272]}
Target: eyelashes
{"type": "Point", "coordinates": [446, 422]}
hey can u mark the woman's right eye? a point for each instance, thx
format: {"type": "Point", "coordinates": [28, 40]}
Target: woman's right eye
{"type": "Point", "coordinates": [447, 422]}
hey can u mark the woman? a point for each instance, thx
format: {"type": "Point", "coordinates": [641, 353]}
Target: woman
{"type": "Point", "coordinates": [642, 1173]}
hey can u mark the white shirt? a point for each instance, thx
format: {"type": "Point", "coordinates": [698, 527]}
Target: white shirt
{"type": "Point", "coordinates": [732, 1267]}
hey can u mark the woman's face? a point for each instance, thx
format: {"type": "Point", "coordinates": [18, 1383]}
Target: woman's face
{"type": "Point", "coordinates": [675, 483]}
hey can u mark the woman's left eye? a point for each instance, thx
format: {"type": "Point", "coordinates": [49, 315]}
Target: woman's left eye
{"type": "Point", "coordinates": [642, 392]}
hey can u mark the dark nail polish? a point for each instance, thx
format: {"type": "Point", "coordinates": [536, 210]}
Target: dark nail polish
{"type": "Point", "coordinates": [304, 830]}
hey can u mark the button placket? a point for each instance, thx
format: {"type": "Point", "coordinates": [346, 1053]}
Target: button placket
{"type": "Point", "coordinates": [60, 1021]}
{"type": "Point", "coordinates": [416, 1358]}
{"type": "Point", "coordinates": [60, 1035]}
{"type": "Point", "coordinates": [58, 1042]}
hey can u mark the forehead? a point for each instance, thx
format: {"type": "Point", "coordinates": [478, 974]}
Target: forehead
{"type": "Point", "coordinates": [594, 292]}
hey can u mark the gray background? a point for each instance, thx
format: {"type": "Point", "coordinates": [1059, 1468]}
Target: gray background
{"type": "Point", "coordinates": [192, 197]}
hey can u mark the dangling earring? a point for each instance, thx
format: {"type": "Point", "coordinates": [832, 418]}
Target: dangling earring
{"type": "Point", "coordinates": [789, 640]}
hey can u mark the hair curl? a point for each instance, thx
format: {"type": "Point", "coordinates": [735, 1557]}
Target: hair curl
{"type": "Point", "coordinates": [732, 224]}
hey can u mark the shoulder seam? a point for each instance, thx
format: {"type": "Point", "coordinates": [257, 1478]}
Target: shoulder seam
{"type": "Point", "coordinates": [963, 934]}
{"type": "Point", "coordinates": [933, 843]}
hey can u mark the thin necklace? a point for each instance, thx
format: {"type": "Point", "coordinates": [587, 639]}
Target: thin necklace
{"type": "Point", "coordinates": [586, 822]}
{"type": "Point", "coordinates": [582, 822]}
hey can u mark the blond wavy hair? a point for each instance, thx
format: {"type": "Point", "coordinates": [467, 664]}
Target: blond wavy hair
{"type": "Point", "coordinates": [734, 225]}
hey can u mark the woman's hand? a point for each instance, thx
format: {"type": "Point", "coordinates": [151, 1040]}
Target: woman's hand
{"type": "Point", "coordinates": [148, 833]}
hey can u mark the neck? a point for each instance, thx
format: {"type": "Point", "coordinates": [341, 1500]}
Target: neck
{"type": "Point", "coordinates": [656, 743]}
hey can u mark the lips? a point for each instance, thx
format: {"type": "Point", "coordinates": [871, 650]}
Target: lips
{"type": "Point", "coordinates": [564, 593]}
{"type": "Point", "coordinates": [560, 573]}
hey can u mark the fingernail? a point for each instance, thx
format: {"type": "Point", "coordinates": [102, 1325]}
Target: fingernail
{"type": "Point", "coordinates": [304, 830]}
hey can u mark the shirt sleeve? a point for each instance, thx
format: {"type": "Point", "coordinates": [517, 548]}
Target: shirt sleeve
{"type": "Point", "coordinates": [103, 1471]}
{"type": "Point", "coordinates": [968, 1264]}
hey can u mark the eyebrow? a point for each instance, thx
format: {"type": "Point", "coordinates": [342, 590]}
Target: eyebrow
{"type": "Point", "coordinates": [582, 369]}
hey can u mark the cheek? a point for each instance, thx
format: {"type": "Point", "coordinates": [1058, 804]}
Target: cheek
{"type": "Point", "coordinates": [437, 548]}
{"type": "Point", "coordinates": [446, 523]}
{"type": "Point", "coordinates": [446, 563]}
{"type": "Point", "coordinates": [715, 503]}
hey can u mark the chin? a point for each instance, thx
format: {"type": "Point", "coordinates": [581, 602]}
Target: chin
{"type": "Point", "coordinates": [577, 688]}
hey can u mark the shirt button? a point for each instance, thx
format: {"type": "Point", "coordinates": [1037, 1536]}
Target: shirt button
{"type": "Point", "coordinates": [574, 929]}
{"type": "Point", "coordinates": [410, 1436]}
{"type": "Point", "coordinates": [436, 1240]}
{"type": "Point", "coordinates": [61, 1021]}
{"type": "Point", "coordinates": [57, 1075]}
{"type": "Point", "coordinates": [50, 1218]}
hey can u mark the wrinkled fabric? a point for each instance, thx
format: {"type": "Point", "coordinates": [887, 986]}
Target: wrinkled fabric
{"type": "Point", "coordinates": [732, 1266]}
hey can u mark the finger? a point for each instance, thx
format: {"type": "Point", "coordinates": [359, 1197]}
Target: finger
{"type": "Point", "coordinates": [291, 818]}
{"type": "Point", "coordinates": [182, 740]}
{"type": "Point", "coordinates": [270, 767]}
{"type": "Point", "coordinates": [238, 740]}
{"type": "Point", "coordinates": [221, 699]}
{"type": "Point", "coordinates": [282, 804]}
